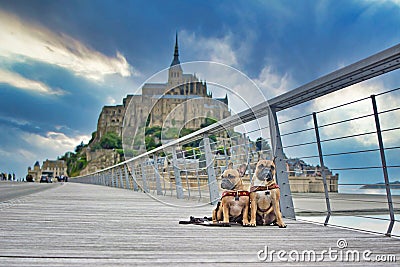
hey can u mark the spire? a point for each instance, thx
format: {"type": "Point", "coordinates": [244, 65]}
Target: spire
{"type": "Point", "coordinates": [176, 53]}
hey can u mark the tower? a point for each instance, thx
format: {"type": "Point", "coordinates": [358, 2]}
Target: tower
{"type": "Point", "coordinates": [175, 73]}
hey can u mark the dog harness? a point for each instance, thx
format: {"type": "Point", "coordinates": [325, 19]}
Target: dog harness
{"type": "Point", "coordinates": [235, 194]}
{"type": "Point", "coordinates": [263, 188]}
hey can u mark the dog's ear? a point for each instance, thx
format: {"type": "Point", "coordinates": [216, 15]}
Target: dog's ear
{"type": "Point", "coordinates": [273, 160]}
{"type": "Point", "coordinates": [230, 165]}
{"type": "Point", "coordinates": [242, 170]}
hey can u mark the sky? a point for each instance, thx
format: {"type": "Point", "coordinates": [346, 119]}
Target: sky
{"type": "Point", "coordinates": [62, 61]}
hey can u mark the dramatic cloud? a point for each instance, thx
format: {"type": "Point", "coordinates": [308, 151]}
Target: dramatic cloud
{"type": "Point", "coordinates": [54, 143]}
{"type": "Point", "coordinates": [273, 84]}
{"type": "Point", "coordinates": [25, 148]}
{"type": "Point", "coordinates": [23, 40]}
{"type": "Point", "coordinates": [214, 49]}
{"type": "Point", "coordinates": [358, 109]}
{"type": "Point", "coordinates": [16, 80]}
{"type": "Point", "coordinates": [395, 2]}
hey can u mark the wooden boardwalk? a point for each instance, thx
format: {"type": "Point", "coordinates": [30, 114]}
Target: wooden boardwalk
{"type": "Point", "coordinates": [75, 225]}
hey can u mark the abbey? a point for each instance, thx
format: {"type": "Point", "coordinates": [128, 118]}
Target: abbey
{"type": "Point", "coordinates": [182, 101]}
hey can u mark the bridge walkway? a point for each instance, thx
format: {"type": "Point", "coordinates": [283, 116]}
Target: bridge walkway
{"type": "Point", "coordinates": [76, 224]}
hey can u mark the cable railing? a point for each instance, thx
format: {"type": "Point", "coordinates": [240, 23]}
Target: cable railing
{"type": "Point", "coordinates": [368, 159]}
{"type": "Point", "coordinates": [310, 149]}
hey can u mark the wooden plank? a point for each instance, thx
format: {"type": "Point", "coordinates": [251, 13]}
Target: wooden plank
{"type": "Point", "coordinates": [77, 224]}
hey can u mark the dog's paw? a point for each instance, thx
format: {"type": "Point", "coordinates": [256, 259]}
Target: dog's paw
{"type": "Point", "coordinates": [252, 224]}
{"type": "Point", "coordinates": [282, 225]}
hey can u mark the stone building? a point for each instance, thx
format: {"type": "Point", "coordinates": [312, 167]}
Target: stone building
{"type": "Point", "coordinates": [305, 178]}
{"type": "Point", "coordinates": [54, 167]}
{"type": "Point", "coordinates": [35, 172]}
{"type": "Point", "coordinates": [181, 101]}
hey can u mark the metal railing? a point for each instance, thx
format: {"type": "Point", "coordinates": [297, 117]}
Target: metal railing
{"type": "Point", "coordinates": [365, 167]}
{"type": "Point", "coordinates": [177, 169]}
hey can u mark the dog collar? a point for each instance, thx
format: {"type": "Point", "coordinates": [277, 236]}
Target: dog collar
{"type": "Point", "coordinates": [263, 188]}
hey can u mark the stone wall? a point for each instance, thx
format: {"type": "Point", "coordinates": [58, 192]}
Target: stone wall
{"type": "Point", "coordinates": [313, 184]}
{"type": "Point", "coordinates": [100, 159]}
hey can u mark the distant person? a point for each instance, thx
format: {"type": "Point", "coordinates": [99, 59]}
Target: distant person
{"type": "Point", "coordinates": [29, 178]}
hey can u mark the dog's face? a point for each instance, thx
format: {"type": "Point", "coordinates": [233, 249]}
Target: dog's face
{"type": "Point", "coordinates": [230, 179]}
{"type": "Point", "coordinates": [265, 171]}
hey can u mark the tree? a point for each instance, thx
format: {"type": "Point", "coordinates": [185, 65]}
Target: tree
{"type": "Point", "coordinates": [111, 140]}
{"type": "Point", "coordinates": [208, 121]}
{"type": "Point", "coordinates": [150, 143]}
{"type": "Point", "coordinates": [79, 148]}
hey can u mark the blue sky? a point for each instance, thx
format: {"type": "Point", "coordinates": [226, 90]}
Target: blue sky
{"type": "Point", "coordinates": [62, 61]}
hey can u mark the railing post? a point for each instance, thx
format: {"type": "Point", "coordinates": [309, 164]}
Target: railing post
{"type": "Point", "coordinates": [144, 178]}
{"type": "Point", "coordinates": [248, 154]}
{"type": "Point", "coordinates": [131, 172]}
{"type": "Point", "coordinates": [212, 180]}
{"type": "Point", "coordinates": [321, 161]}
{"type": "Point", "coordinates": [111, 178]}
{"type": "Point", "coordinates": [158, 178]}
{"type": "Point", "coordinates": [116, 178]}
{"type": "Point", "coordinates": [121, 180]}
{"type": "Point", "coordinates": [128, 184]}
{"type": "Point", "coordinates": [178, 181]}
{"type": "Point", "coordinates": [282, 177]}
{"type": "Point", "coordinates": [114, 181]}
{"type": "Point", "coordinates": [197, 173]}
{"type": "Point", "coordinates": [226, 155]}
{"type": "Point", "coordinates": [384, 166]}
{"type": "Point", "coordinates": [186, 175]}
{"type": "Point", "coordinates": [165, 171]}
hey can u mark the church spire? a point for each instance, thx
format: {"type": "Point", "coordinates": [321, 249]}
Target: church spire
{"type": "Point", "coordinates": [176, 53]}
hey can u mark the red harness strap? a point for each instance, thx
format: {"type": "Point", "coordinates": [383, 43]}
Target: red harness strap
{"type": "Point", "coordinates": [263, 188]}
{"type": "Point", "coordinates": [235, 194]}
